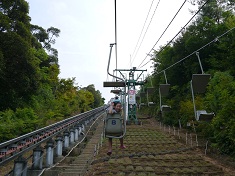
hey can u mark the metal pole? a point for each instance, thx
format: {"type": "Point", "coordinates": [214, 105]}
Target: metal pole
{"type": "Point", "coordinates": [111, 46]}
{"type": "Point", "coordinates": [165, 76]}
{"type": "Point", "coordinates": [147, 97]}
{"type": "Point", "coordinates": [199, 60]}
{"type": "Point", "coordinates": [115, 6]}
{"type": "Point", "coordinates": [160, 98]}
{"type": "Point", "coordinates": [194, 106]}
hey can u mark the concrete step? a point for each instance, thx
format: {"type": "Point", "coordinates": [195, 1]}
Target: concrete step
{"type": "Point", "coordinates": [72, 168]}
{"type": "Point", "coordinates": [77, 163]}
{"type": "Point", "coordinates": [71, 174]}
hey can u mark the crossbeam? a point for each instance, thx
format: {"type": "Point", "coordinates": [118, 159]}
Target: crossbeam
{"type": "Point", "coordinates": [114, 84]}
{"type": "Point", "coordinates": [116, 91]}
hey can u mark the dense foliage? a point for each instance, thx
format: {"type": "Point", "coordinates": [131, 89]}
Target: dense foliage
{"type": "Point", "coordinates": [218, 59]}
{"type": "Point", "coordinates": [31, 93]}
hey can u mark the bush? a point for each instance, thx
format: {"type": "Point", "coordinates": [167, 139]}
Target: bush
{"type": "Point", "coordinates": [17, 123]}
{"type": "Point", "coordinates": [221, 100]}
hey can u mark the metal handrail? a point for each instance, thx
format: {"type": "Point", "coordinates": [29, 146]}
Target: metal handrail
{"type": "Point", "coordinates": [41, 129]}
{"type": "Point", "coordinates": [17, 146]}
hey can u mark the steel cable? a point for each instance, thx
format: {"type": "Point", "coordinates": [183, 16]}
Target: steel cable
{"type": "Point", "coordinates": [175, 35]}
{"type": "Point", "coordinates": [214, 40]}
{"type": "Point", "coordinates": [146, 31]}
{"type": "Point", "coordinates": [164, 31]}
{"type": "Point", "coordinates": [142, 30]}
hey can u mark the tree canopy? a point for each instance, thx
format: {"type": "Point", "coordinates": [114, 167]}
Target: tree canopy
{"type": "Point", "coordinates": [214, 29]}
{"type": "Point", "coordinates": [31, 93]}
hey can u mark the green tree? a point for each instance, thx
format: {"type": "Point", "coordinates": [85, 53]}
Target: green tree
{"type": "Point", "coordinates": [17, 123]}
{"type": "Point", "coordinates": [98, 101]}
{"type": "Point", "coordinates": [44, 39]}
{"type": "Point", "coordinates": [86, 100]}
{"type": "Point", "coordinates": [215, 18]}
{"type": "Point", "coordinates": [32, 95]}
{"type": "Point", "coordinates": [221, 100]}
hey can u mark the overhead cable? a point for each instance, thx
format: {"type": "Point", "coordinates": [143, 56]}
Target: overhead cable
{"type": "Point", "coordinates": [212, 41]}
{"type": "Point", "coordinates": [142, 28]}
{"type": "Point", "coordinates": [115, 12]}
{"type": "Point", "coordinates": [174, 36]}
{"type": "Point", "coordinates": [146, 30]}
{"type": "Point", "coordinates": [164, 31]}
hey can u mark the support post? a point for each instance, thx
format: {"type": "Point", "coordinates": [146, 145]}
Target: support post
{"type": "Point", "coordinates": [72, 135]}
{"type": "Point", "coordinates": [66, 139]}
{"type": "Point", "coordinates": [37, 158]}
{"type": "Point", "coordinates": [59, 145]}
{"type": "Point", "coordinates": [160, 99]}
{"type": "Point", "coordinates": [76, 133]}
{"type": "Point", "coordinates": [49, 153]}
{"type": "Point", "coordinates": [199, 60]}
{"type": "Point", "coordinates": [80, 131]}
{"type": "Point", "coordinates": [194, 105]}
{"type": "Point", "coordinates": [83, 128]}
{"type": "Point", "coordinates": [20, 167]}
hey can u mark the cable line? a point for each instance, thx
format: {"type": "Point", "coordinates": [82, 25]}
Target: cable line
{"type": "Point", "coordinates": [115, 7]}
{"type": "Point", "coordinates": [146, 31]}
{"type": "Point", "coordinates": [164, 31]}
{"type": "Point", "coordinates": [175, 35]}
{"type": "Point", "coordinates": [214, 40]}
{"type": "Point", "coordinates": [142, 28]}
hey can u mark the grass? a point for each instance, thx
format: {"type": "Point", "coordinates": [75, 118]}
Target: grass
{"type": "Point", "coordinates": [130, 168]}
{"type": "Point", "coordinates": [146, 141]}
{"type": "Point", "coordinates": [149, 169]}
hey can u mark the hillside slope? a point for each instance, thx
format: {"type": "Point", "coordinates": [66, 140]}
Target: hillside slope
{"type": "Point", "coordinates": [151, 151]}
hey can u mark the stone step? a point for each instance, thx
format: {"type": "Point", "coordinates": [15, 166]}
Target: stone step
{"type": "Point", "coordinates": [75, 164]}
{"type": "Point", "coordinates": [71, 159]}
{"type": "Point", "coordinates": [73, 167]}
{"type": "Point", "coordinates": [85, 155]}
{"type": "Point", "coordinates": [64, 173]}
{"type": "Point", "coordinates": [85, 161]}
{"type": "Point", "coordinates": [71, 174]}
{"type": "Point", "coordinates": [78, 164]}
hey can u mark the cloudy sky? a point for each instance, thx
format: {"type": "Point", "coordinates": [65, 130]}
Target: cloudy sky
{"type": "Point", "coordinates": [87, 29]}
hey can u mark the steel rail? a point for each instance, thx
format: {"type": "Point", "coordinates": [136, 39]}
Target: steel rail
{"type": "Point", "coordinates": [17, 146]}
{"type": "Point", "coordinates": [45, 169]}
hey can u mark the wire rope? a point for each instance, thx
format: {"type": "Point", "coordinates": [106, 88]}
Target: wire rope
{"type": "Point", "coordinates": [146, 31]}
{"type": "Point", "coordinates": [143, 28]}
{"type": "Point", "coordinates": [164, 31]}
{"type": "Point", "coordinates": [174, 36]}
{"type": "Point", "coordinates": [212, 41]}
{"type": "Point", "coordinates": [115, 11]}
